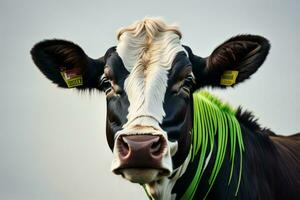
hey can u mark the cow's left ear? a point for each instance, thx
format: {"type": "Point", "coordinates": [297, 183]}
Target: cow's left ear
{"type": "Point", "coordinates": [232, 62]}
{"type": "Point", "coordinates": [66, 64]}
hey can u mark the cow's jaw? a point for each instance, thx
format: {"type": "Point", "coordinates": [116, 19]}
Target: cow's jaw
{"type": "Point", "coordinates": [143, 176]}
{"type": "Point", "coordinates": [162, 189]}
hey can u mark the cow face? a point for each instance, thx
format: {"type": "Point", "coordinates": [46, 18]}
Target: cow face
{"type": "Point", "coordinates": [148, 116]}
{"type": "Point", "coordinates": [149, 78]}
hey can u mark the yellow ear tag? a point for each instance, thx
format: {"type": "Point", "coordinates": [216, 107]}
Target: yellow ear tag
{"type": "Point", "coordinates": [72, 77]}
{"type": "Point", "coordinates": [228, 78]}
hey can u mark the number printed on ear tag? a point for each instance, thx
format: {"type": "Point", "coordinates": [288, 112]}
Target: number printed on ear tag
{"type": "Point", "coordinates": [228, 78]}
{"type": "Point", "coordinates": [72, 77]}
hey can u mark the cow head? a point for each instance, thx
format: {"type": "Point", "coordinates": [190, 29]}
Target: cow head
{"type": "Point", "coordinates": [149, 79]}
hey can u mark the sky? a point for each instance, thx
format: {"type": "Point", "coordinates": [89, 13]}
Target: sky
{"type": "Point", "coordinates": [52, 141]}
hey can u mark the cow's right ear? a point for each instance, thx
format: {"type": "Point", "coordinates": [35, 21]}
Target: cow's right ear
{"type": "Point", "coordinates": [66, 64]}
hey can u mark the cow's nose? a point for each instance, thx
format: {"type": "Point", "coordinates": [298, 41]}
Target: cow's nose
{"type": "Point", "coordinates": [141, 150]}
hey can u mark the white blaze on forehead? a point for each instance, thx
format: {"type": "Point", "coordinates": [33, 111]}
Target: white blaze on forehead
{"type": "Point", "coordinates": [147, 49]}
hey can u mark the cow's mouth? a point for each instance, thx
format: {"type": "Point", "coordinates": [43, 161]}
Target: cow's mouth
{"type": "Point", "coordinates": [142, 175]}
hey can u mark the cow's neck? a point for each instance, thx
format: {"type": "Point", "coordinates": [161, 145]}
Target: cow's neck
{"type": "Point", "coordinates": [217, 137]}
{"type": "Point", "coordinates": [269, 162]}
{"type": "Point", "coordinates": [217, 144]}
{"type": "Point", "coordinates": [192, 186]}
{"type": "Point", "coordinates": [198, 178]}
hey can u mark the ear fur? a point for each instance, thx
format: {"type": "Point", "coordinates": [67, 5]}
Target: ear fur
{"type": "Point", "coordinates": [53, 56]}
{"type": "Point", "coordinates": [242, 53]}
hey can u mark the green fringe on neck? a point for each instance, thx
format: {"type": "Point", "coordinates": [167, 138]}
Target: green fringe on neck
{"type": "Point", "coordinates": [213, 120]}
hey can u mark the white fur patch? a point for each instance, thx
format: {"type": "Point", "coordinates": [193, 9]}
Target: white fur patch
{"type": "Point", "coordinates": [147, 54]}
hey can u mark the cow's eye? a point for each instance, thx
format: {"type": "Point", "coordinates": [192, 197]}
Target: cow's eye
{"type": "Point", "coordinates": [107, 85]}
{"type": "Point", "coordinates": [189, 81]}
{"type": "Point", "coordinates": [186, 86]}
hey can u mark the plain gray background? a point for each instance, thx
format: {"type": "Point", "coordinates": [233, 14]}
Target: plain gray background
{"type": "Point", "coordinates": [52, 141]}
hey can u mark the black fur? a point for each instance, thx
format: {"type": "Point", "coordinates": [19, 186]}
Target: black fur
{"type": "Point", "coordinates": [271, 167]}
{"type": "Point", "coordinates": [249, 120]}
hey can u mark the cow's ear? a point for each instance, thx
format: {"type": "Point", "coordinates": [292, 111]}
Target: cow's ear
{"type": "Point", "coordinates": [232, 62]}
{"type": "Point", "coordinates": [66, 64]}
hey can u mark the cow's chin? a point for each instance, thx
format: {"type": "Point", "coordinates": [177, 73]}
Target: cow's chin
{"type": "Point", "coordinates": [143, 175]}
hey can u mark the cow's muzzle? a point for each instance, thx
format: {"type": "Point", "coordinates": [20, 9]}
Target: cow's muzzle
{"type": "Point", "coordinates": [142, 158]}
{"type": "Point", "coordinates": [141, 151]}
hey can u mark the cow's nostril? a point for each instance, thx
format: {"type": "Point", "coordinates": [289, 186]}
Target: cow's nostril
{"type": "Point", "coordinates": [156, 148]}
{"type": "Point", "coordinates": [123, 147]}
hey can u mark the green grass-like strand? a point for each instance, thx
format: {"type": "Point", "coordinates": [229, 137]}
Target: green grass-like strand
{"type": "Point", "coordinates": [213, 118]}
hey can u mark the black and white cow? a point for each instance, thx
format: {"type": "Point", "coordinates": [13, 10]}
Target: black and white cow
{"type": "Point", "coordinates": [149, 79]}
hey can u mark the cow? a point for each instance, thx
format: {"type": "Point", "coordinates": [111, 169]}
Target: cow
{"type": "Point", "coordinates": [166, 132]}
